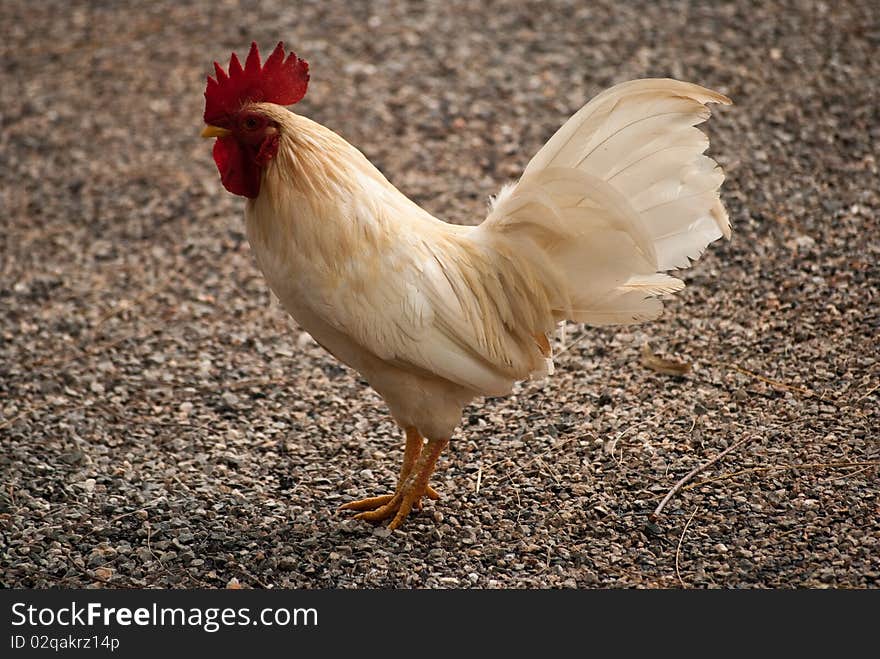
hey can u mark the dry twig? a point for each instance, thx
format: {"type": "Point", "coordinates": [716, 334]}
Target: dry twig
{"type": "Point", "coordinates": [27, 412]}
{"type": "Point", "coordinates": [774, 383]}
{"type": "Point", "coordinates": [675, 488]}
{"type": "Point", "coordinates": [786, 467]}
{"type": "Point", "coordinates": [868, 393]}
{"type": "Point", "coordinates": [610, 446]}
{"type": "Point", "coordinates": [125, 305]}
{"type": "Point", "coordinates": [678, 548]}
{"type": "Point", "coordinates": [532, 461]}
{"type": "Point", "coordinates": [96, 349]}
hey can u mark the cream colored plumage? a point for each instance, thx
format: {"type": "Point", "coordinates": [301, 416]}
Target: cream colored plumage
{"type": "Point", "coordinates": [433, 314]}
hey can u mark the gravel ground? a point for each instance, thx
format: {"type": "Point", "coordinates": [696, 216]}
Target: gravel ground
{"type": "Point", "coordinates": [164, 424]}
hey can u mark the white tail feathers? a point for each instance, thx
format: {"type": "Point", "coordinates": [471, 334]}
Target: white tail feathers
{"type": "Point", "coordinates": [619, 194]}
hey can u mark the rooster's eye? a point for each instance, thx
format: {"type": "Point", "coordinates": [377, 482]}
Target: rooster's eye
{"type": "Point", "coordinates": [251, 123]}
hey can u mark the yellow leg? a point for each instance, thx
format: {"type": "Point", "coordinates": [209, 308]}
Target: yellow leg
{"type": "Point", "coordinates": [418, 465]}
{"type": "Point", "coordinates": [411, 453]}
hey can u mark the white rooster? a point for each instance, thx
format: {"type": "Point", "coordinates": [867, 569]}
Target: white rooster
{"type": "Point", "coordinates": [433, 314]}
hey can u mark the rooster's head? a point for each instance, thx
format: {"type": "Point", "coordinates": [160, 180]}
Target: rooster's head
{"type": "Point", "coordinates": [247, 139]}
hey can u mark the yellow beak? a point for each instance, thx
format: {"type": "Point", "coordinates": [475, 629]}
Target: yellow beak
{"type": "Point", "coordinates": [215, 131]}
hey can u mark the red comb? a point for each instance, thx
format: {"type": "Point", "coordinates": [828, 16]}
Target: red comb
{"type": "Point", "coordinates": [278, 80]}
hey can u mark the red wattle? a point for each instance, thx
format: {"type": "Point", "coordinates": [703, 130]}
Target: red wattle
{"type": "Point", "coordinates": [239, 172]}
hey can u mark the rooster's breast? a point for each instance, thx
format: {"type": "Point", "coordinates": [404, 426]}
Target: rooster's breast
{"type": "Point", "coordinates": [309, 290]}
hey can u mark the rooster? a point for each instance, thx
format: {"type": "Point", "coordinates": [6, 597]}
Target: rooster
{"type": "Point", "coordinates": [434, 315]}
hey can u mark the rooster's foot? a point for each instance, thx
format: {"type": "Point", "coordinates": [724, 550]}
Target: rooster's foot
{"type": "Point", "coordinates": [413, 485]}
{"type": "Point", "coordinates": [374, 503]}
{"type": "Point", "coordinates": [396, 505]}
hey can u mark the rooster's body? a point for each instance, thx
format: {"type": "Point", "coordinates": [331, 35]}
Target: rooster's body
{"type": "Point", "coordinates": [434, 314]}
